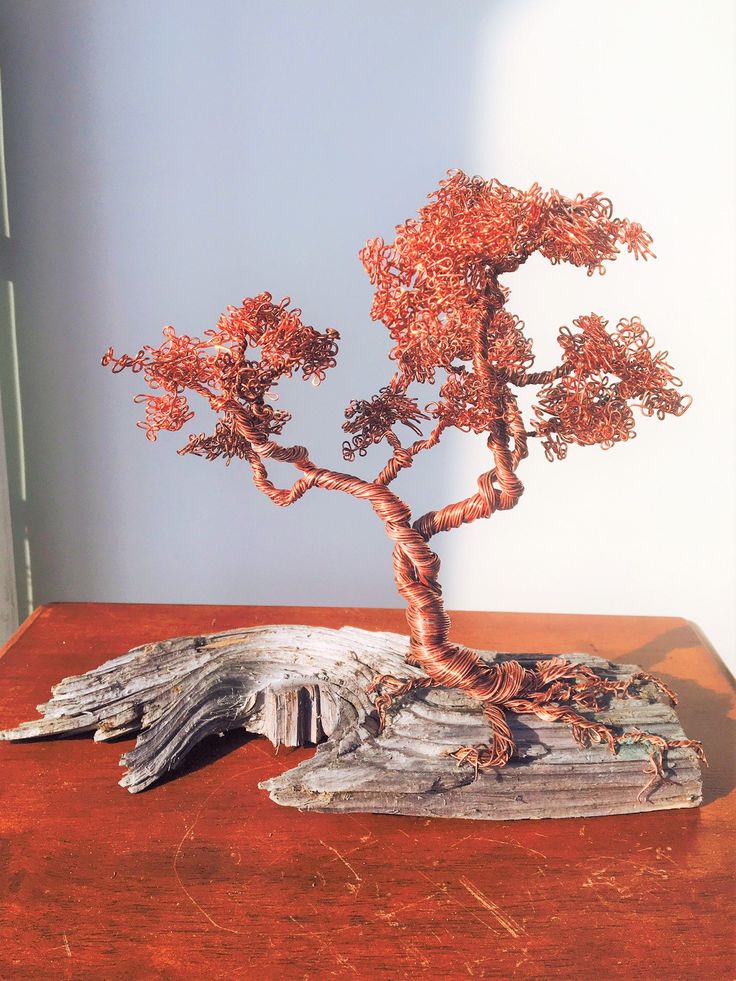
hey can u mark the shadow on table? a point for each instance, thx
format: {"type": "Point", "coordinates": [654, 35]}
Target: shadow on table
{"type": "Point", "coordinates": [215, 747]}
{"type": "Point", "coordinates": [205, 753]}
{"type": "Point", "coordinates": [703, 713]}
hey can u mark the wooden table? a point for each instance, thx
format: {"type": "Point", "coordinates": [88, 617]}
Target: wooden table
{"type": "Point", "coordinates": [204, 877]}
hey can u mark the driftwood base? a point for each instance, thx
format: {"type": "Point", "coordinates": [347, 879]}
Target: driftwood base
{"type": "Point", "coordinates": [298, 685]}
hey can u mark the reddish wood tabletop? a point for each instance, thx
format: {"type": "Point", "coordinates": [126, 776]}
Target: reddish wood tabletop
{"type": "Point", "coordinates": [204, 876]}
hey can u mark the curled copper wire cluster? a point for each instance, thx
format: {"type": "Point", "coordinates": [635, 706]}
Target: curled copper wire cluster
{"type": "Point", "coordinates": [605, 376]}
{"type": "Point", "coordinates": [236, 367]}
{"type": "Point", "coordinates": [439, 293]}
{"type": "Point", "coordinates": [371, 420]}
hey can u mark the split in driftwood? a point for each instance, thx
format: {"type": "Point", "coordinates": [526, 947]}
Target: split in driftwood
{"type": "Point", "coordinates": [299, 684]}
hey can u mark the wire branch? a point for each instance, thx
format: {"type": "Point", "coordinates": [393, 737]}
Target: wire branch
{"type": "Point", "coordinates": [523, 378]}
{"type": "Point", "coordinates": [403, 457]}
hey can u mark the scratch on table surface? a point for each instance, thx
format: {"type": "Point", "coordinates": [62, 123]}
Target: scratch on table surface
{"type": "Point", "coordinates": [457, 902]}
{"type": "Point", "coordinates": [661, 853]}
{"type": "Point", "coordinates": [341, 959]}
{"type": "Point", "coordinates": [325, 941]}
{"type": "Point", "coordinates": [532, 851]}
{"type": "Point", "coordinates": [177, 853]}
{"type": "Point", "coordinates": [507, 922]}
{"type": "Point", "coordinates": [67, 948]}
{"type": "Point", "coordinates": [418, 955]}
{"type": "Point", "coordinates": [640, 869]}
{"type": "Point", "coordinates": [342, 859]}
{"type": "Point", "coordinates": [499, 841]}
{"type": "Point", "coordinates": [523, 959]}
{"type": "Point", "coordinates": [417, 902]}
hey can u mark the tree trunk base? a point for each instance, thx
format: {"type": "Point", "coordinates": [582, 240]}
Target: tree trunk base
{"type": "Point", "coordinates": [298, 684]}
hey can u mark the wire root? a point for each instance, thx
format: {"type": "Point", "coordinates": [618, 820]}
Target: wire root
{"type": "Point", "coordinates": [552, 690]}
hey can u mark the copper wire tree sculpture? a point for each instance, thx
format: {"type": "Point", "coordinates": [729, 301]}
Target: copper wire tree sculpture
{"type": "Point", "coordinates": [438, 291]}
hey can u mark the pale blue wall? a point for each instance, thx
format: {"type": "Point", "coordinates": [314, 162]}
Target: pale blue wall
{"type": "Point", "coordinates": [168, 158]}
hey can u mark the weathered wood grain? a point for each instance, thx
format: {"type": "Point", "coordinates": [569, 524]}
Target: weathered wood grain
{"type": "Point", "coordinates": [300, 685]}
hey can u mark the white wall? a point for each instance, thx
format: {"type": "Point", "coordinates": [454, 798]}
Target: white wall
{"type": "Point", "coordinates": [168, 158]}
{"type": "Point", "coordinates": [637, 100]}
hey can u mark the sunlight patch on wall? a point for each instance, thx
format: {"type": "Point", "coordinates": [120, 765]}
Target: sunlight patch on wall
{"type": "Point", "coordinates": [636, 101]}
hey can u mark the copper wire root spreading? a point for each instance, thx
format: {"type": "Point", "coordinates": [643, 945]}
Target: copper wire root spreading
{"type": "Point", "coordinates": [387, 689]}
{"type": "Point", "coordinates": [440, 291]}
{"type": "Point", "coordinates": [552, 690]}
{"type": "Point", "coordinates": [657, 747]}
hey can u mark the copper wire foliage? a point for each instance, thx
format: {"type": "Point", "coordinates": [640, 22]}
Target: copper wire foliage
{"type": "Point", "coordinates": [439, 293]}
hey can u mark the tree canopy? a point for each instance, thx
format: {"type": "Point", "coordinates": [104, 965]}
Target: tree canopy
{"type": "Point", "coordinates": [439, 293]}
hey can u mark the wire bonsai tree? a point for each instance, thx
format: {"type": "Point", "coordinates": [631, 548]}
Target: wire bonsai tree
{"type": "Point", "coordinates": [440, 294]}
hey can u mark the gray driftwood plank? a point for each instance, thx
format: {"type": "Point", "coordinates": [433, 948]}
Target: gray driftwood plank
{"type": "Point", "coordinates": [298, 684]}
